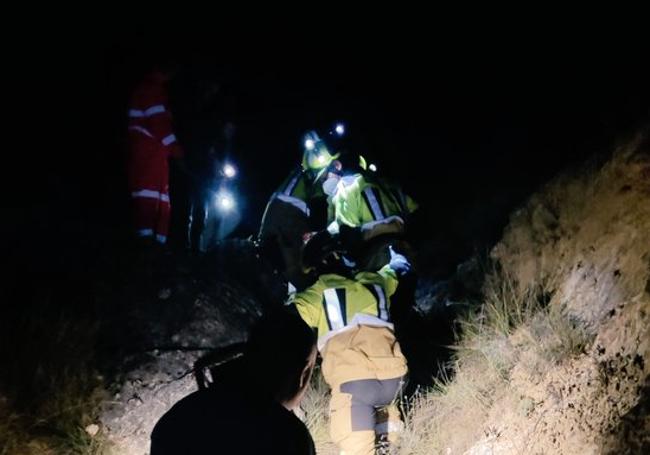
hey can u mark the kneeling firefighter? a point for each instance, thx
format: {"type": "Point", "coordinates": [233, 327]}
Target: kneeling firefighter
{"type": "Point", "coordinates": [362, 360]}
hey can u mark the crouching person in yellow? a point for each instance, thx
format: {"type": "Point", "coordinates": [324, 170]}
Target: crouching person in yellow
{"type": "Point", "coordinates": [362, 360]}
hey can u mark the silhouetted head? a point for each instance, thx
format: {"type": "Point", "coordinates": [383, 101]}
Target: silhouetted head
{"type": "Point", "coordinates": [280, 356]}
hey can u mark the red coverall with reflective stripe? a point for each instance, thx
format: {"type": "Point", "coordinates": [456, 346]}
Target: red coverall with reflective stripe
{"type": "Point", "coordinates": [151, 143]}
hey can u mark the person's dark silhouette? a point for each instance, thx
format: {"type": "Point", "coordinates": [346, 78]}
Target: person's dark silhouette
{"type": "Point", "coordinates": [248, 412]}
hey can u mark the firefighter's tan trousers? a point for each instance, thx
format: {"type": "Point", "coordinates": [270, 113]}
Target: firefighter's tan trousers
{"type": "Point", "coordinates": [364, 367]}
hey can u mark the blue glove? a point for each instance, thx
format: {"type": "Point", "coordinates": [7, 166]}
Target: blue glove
{"type": "Point", "coordinates": [399, 263]}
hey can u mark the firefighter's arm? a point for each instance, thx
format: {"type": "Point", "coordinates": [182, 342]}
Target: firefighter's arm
{"type": "Point", "coordinates": [391, 225]}
{"type": "Point", "coordinates": [290, 183]}
{"type": "Point", "coordinates": [397, 269]}
{"type": "Point", "coordinates": [390, 279]}
{"type": "Point", "coordinates": [162, 126]}
{"type": "Point", "coordinates": [398, 263]}
{"type": "Point", "coordinates": [165, 133]}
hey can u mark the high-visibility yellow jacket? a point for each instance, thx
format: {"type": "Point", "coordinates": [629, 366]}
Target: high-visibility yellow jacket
{"type": "Point", "coordinates": [358, 201]}
{"type": "Point", "coordinates": [335, 303]}
{"type": "Point", "coordinates": [298, 189]}
{"type": "Point", "coordinates": [352, 319]}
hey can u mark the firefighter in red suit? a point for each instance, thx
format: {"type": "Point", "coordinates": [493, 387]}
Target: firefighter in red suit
{"type": "Point", "coordinates": [151, 144]}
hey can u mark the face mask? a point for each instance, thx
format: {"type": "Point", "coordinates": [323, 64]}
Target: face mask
{"type": "Point", "coordinates": [329, 185]}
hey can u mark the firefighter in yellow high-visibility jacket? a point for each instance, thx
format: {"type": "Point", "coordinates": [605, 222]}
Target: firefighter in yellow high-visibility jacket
{"type": "Point", "coordinates": [362, 360]}
{"type": "Point", "coordinates": [293, 209]}
{"type": "Point", "coordinates": [369, 213]}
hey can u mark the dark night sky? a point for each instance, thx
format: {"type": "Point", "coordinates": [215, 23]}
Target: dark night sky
{"type": "Point", "coordinates": [469, 131]}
